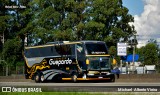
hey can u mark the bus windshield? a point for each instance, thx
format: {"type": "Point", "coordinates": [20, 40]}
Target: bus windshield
{"type": "Point", "coordinates": [96, 48]}
{"type": "Point", "coordinates": [96, 64]}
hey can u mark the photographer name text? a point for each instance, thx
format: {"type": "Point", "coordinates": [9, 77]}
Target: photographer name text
{"type": "Point", "coordinates": [15, 7]}
{"type": "Point", "coordinates": [137, 90]}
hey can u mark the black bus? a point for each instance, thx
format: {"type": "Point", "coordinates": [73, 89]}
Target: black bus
{"type": "Point", "coordinates": [79, 60]}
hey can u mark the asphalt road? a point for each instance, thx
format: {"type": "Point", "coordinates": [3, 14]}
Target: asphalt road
{"type": "Point", "coordinates": [78, 84]}
{"type": "Point", "coordinates": [126, 83]}
{"type": "Point", "coordinates": [83, 87]}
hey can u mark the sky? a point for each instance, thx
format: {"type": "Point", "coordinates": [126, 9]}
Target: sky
{"type": "Point", "coordinates": [146, 15]}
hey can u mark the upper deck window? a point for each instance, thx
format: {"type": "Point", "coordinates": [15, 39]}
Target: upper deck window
{"type": "Point", "coordinates": [58, 50]}
{"type": "Point", "coordinates": [96, 48]}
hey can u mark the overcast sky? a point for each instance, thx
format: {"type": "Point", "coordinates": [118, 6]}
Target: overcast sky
{"type": "Point", "coordinates": [147, 19]}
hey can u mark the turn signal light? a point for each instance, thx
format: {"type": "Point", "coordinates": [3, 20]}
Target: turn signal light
{"type": "Point", "coordinates": [87, 61]}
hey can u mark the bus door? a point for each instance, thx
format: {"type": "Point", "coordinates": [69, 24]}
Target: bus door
{"type": "Point", "coordinates": [80, 53]}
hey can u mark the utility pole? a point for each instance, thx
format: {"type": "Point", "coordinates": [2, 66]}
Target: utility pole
{"type": "Point", "coordinates": [134, 46]}
{"type": "Point", "coordinates": [133, 58]}
{"type": "Point", "coordinates": [133, 42]}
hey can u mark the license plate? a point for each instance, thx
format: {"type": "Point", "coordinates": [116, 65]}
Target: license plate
{"type": "Point", "coordinates": [100, 77]}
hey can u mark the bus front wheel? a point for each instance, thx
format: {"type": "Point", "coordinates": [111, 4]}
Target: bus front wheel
{"type": "Point", "coordinates": [112, 78]}
{"type": "Point", "coordinates": [74, 78]}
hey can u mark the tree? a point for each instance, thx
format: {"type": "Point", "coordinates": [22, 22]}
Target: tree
{"type": "Point", "coordinates": [4, 18]}
{"type": "Point", "coordinates": [55, 20]}
{"type": "Point", "coordinates": [141, 52]}
{"type": "Point", "coordinates": [12, 53]}
{"type": "Point", "coordinates": [109, 21]}
{"type": "Point", "coordinates": [112, 51]}
{"type": "Point", "coordinates": [151, 54]}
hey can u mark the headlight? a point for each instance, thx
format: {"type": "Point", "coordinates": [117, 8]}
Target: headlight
{"type": "Point", "coordinates": [90, 74]}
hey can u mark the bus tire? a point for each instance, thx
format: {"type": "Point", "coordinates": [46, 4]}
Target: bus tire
{"type": "Point", "coordinates": [112, 79]}
{"type": "Point", "coordinates": [37, 77]}
{"type": "Point", "coordinates": [74, 78]}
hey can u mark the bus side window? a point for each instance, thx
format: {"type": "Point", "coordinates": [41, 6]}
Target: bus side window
{"type": "Point", "coordinates": [80, 49]}
{"type": "Point", "coordinates": [72, 49]}
{"type": "Point", "coordinates": [66, 50]}
{"type": "Point", "coordinates": [27, 53]}
{"type": "Point", "coordinates": [59, 49]}
{"type": "Point", "coordinates": [52, 49]}
{"type": "Point", "coordinates": [81, 55]}
{"type": "Point", "coordinates": [63, 49]}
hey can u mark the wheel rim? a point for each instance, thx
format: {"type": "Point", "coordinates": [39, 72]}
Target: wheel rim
{"type": "Point", "coordinates": [37, 78]}
{"type": "Point", "coordinates": [74, 78]}
{"type": "Point", "coordinates": [42, 78]}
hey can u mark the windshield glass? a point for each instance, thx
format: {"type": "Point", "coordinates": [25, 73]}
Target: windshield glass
{"type": "Point", "coordinates": [96, 64]}
{"type": "Point", "coordinates": [96, 48]}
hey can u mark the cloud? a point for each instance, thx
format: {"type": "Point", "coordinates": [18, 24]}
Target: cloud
{"type": "Point", "coordinates": [147, 24]}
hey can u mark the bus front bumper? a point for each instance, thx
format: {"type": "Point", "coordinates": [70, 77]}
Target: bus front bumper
{"type": "Point", "coordinates": [93, 78]}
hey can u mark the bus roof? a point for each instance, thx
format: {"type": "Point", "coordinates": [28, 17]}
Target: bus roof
{"type": "Point", "coordinates": [90, 41]}
{"type": "Point", "coordinates": [63, 42]}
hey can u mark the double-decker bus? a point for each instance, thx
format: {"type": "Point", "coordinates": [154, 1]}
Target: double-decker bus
{"type": "Point", "coordinates": [79, 60]}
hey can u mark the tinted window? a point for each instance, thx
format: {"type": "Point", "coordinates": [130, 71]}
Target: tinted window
{"type": "Point", "coordinates": [39, 52]}
{"type": "Point", "coordinates": [96, 48]}
{"type": "Point", "coordinates": [64, 49]}
{"type": "Point", "coordinates": [97, 65]}
{"type": "Point", "coordinates": [80, 49]}
{"type": "Point", "coordinates": [50, 51]}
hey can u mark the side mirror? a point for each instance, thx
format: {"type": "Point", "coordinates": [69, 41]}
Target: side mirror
{"type": "Point", "coordinates": [114, 61]}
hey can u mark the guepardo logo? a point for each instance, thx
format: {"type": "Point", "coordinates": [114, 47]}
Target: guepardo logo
{"type": "Point", "coordinates": [60, 62]}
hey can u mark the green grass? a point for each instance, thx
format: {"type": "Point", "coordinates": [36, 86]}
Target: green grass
{"type": "Point", "coordinates": [50, 93]}
{"type": "Point", "coordinates": [75, 93]}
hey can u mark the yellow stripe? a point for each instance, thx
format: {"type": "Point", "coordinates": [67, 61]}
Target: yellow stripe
{"type": "Point", "coordinates": [52, 45]}
{"type": "Point", "coordinates": [97, 55]}
{"type": "Point", "coordinates": [39, 46]}
{"type": "Point", "coordinates": [72, 43]}
{"type": "Point", "coordinates": [97, 78]}
{"type": "Point", "coordinates": [66, 78]}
